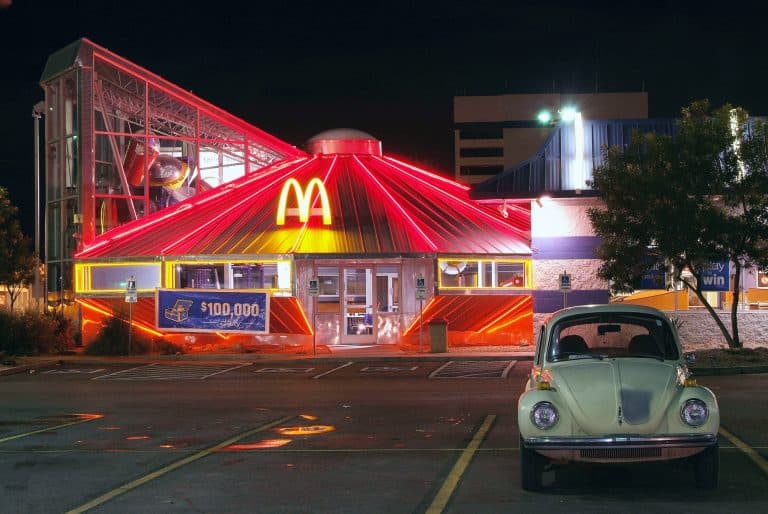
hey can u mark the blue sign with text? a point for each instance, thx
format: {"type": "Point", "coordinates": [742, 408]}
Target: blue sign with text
{"type": "Point", "coordinates": [716, 276]}
{"type": "Point", "coordinates": [654, 279]}
{"type": "Point", "coordinates": [212, 310]}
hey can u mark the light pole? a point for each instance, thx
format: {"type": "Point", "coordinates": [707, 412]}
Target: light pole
{"type": "Point", "coordinates": [37, 112]}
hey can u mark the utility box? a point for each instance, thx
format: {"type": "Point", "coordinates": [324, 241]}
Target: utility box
{"type": "Point", "coordinates": [438, 335]}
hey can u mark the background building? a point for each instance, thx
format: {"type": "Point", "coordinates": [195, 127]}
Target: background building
{"type": "Point", "coordinates": [497, 132]}
{"type": "Point", "coordinates": [555, 178]}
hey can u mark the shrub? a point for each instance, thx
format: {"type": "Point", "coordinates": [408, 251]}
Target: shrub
{"type": "Point", "coordinates": [112, 339]}
{"type": "Point", "coordinates": [8, 329]}
{"type": "Point", "coordinates": [63, 331]}
{"type": "Point", "coordinates": [167, 348]}
{"type": "Point", "coordinates": [33, 333]}
{"type": "Point", "coordinates": [677, 323]}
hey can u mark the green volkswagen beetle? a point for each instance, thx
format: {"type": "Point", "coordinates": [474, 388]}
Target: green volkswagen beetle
{"type": "Point", "coordinates": [610, 384]}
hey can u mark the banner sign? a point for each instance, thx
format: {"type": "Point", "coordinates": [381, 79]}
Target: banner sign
{"type": "Point", "coordinates": [716, 276]}
{"type": "Point", "coordinates": [655, 278]}
{"type": "Point", "coordinates": [212, 310]}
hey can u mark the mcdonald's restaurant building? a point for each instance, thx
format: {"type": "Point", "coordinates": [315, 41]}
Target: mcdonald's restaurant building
{"type": "Point", "coordinates": [217, 236]}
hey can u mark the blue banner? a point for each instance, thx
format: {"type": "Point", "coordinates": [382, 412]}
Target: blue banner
{"type": "Point", "coordinates": [716, 276]}
{"type": "Point", "coordinates": [212, 310]}
{"type": "Point", "coordinates": [656, 277]}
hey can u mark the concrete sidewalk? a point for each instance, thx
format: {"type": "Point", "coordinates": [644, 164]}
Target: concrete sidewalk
{"type": "Point", "coordinates": [335, 353]}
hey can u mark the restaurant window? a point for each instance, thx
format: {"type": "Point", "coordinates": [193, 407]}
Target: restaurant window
{"type": "Point", "coordinates": [762, 279]}
{"type": "Point", "coordinates": [239, 275]}
{"type": "Point", "coordinates": [328, 289]}
{"type": "Point", "coordinates": [482, 152]}
{"type": "Point", "coordinates": [481, 132]}
{"type": "Point", "coordinates": [90, 278]}
{"type": "Point", "coordinates": [489, 169]}
{"type": "Point", "coordinates": [484, 274]}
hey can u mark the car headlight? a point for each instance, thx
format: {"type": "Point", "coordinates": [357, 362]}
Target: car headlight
{"type": "Point", "coordinates": [544, 415]}
{"type": "Point", "coordinates": [694, 412]}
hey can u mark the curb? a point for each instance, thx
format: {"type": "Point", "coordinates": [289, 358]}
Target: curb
{"type": "Point", "coordinates": [28, 367]}
{"type": "Point", "coordinates": [250, 358]}
{"type": "Point", "coordinates": [734, 370]}
{"type": "Point", "coordinates": [282, 359]}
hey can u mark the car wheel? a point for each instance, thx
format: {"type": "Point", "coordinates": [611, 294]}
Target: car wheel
{"type": "Point", "coordinates": [707, 467]}
{"type": "Point", "coordinates": [531, 468]}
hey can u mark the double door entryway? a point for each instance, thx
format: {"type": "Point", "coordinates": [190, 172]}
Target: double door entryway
{"type": "Point", "coordinates": [364, 298]}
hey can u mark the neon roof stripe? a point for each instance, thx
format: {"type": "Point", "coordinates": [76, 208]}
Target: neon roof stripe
{"type": "Point", "coordinates": [379, 205]}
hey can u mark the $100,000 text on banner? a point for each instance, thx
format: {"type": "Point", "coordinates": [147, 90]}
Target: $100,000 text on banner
{"type": "Point", "coordinates": [212, 310]}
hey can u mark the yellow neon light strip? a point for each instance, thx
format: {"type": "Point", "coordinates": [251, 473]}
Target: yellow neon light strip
{"type": "Point", "coordinates": [527, 279]}
{"type": "Point", "coordinates": [83, 282]}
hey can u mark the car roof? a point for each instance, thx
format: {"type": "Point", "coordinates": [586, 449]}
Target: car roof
{"type": "Point", "coordinates": [605, 307]}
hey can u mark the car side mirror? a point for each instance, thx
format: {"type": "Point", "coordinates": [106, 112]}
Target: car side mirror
{"type": "Point", "coordinates": [690, 357]}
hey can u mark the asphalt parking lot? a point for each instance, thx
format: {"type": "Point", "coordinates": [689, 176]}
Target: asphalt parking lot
{"type": "Point", "coordinates": [345, 436]}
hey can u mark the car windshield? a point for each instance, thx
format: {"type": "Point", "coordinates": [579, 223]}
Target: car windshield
{"type": "Point", "coordinates": [609, 335]}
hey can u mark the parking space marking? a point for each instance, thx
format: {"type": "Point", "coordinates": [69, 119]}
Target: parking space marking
{"type": "Point", "coordinates": [746, 449]}
{"type": "Point", "coordinates": [449, 486]}
{"type": "Point", "coordinates": [387, 369]}
{"type": "Point", "coordinates": [337, 368]}
{"type": "Point", "coordinates": [81, 418]}
{"type": "Point", "coordinates": [176, 465]}
{"type": "Point", "coordinates": [284, 370]}
{"type": "Point", "coordinates": [155, 371]}
{"type": "Point", "coordinates": [474, 369]}
{"type": "Point", "coordinates": [72, 371]}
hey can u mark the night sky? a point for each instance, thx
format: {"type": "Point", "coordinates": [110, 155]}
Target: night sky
{"type": "Point", "coordinates": [388, 68]}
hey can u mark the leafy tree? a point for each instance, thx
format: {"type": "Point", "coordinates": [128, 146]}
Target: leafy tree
{"type": "Point", "coordinates": [17, 261]}
{"type": "Point", "coordinates": [687, 200]}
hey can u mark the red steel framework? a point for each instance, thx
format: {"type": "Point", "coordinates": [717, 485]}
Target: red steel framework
{"type": "Point", "coordinates": [118, 104]}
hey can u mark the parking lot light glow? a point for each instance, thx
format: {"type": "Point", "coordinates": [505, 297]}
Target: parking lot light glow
{"type": "Point", "coordinates": [259, 445]}
{"type": "Point", "coordinates": [568, 113]}
{"type": "Point", "coordinates": [308, 430]}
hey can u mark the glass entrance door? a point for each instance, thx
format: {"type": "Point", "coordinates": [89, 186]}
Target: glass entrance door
{"type": "Point", "coordinates": [358, 325]}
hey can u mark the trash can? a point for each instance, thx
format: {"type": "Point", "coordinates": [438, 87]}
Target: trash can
{"type": "Point", "coordinates": [438, 335]}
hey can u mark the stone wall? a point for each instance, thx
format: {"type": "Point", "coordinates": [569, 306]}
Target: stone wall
{"type": "Point", "coordinates": [546, 274]}
{"type": "Point", "coordinates": [699, 330]}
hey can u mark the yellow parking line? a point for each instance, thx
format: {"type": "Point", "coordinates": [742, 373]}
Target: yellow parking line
{"type": "Point", "coordinates": [449, 486]}
{"type": "Point", "coordinates": [748, 450]}
{"type": "Point", "coordinates": [85, 418]}
{"type": "Point", "coordinates": [176, 465]}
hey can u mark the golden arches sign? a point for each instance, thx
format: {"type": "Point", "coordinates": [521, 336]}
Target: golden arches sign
{"type": "Point", "coordinates": [304, 199]}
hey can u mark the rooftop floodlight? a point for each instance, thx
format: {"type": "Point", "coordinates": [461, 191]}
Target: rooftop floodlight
{"type": "Point", "coordinates": [543, 200]}
{"type": "Point", "coordinates": [544, 116]}
{"type": "Point", "coordinates": [568, 113]}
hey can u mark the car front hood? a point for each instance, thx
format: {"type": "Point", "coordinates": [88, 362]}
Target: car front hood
{"type": "Point", "coordinates": [617, 395]}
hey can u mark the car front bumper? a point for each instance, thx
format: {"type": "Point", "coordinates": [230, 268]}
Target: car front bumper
{"type": "Point", "coordinates": [621, 448]}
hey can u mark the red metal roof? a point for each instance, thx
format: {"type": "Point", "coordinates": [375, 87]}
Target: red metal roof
{"type": "Point", "coordinates": [378, 204]}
